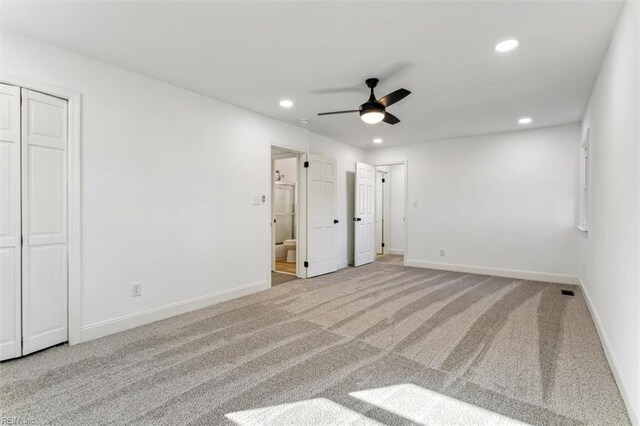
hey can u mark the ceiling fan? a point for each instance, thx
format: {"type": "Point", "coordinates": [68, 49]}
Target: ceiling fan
{"type": "Point", "coordinates": [374, 111]}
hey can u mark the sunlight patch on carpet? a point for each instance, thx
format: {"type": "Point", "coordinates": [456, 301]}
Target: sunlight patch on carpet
{"type": "Point", "coordinates": [317, 411]}
{"type": "Point", "coordinates": [424, 406]}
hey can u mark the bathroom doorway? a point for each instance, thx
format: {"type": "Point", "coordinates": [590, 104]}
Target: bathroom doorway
{"type": "Point", "coordinates": [285, 185]}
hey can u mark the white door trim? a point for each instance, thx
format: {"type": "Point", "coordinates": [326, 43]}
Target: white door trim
{"type": "Point", "coordinates": [385, 208]}
{"type": "Point", "coordinates": [272, 249]}
{"type": "Point", "coordinates": [74, 200]}
{"type": "Point", "coordinates": [405, 163]}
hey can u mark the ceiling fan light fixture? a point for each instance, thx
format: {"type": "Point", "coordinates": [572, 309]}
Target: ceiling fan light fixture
{"type": "Point", "coordinates": [374, 110]}
{"type": "Point", "coordinates": [372, 116]}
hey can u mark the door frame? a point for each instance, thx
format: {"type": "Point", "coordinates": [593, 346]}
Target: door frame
{"type": "Point", "coordinates": [74, 199]}
{"type": "Point", "coordinates": [385, 209]}
{"type": "Point", "coordinates": [301, 193]}
{"type": "Point", "coordinates": [404, 163]}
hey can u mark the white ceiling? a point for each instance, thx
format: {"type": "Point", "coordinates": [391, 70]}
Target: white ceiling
{"type": "Point", "coordinates": [254, 54]}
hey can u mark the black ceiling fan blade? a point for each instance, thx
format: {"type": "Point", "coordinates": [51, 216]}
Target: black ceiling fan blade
{"type": "Point", "coordinates": [394, 97]}
{"type": "Point", "coordinates": [390, 118]}
{"type": "Point", "coordinates": [338, 112]}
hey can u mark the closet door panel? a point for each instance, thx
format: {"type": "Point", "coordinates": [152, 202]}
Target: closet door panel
{"type": "Point", "coordinates": [10, 315]}
{"type": "Point", "coordinates": [44, 221]}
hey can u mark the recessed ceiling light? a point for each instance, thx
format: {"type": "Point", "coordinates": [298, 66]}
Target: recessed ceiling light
{"type": "Point", "coordinates": [525, 120]}
{"type": "Point", "coordinates": [377, 140]}
{"type": "Point", "coordinates": [507, 45]}
{"type": "Point", "coordinates": [286, 103]}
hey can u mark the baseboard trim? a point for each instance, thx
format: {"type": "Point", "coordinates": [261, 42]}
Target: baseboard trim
{"type": "Point", "coordinates": [498, 272]}
{"type": "Point", "coordinates": [396, 252]}
{"type": "Point", "coordinates": [608, 351]}
{"type": "Point", "coordinates": [115, 325]}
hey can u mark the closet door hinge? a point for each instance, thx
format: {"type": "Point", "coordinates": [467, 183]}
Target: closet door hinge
{"type": "Point", "coordinates": [382, 245]}
{"type": "Point", "coordinates": [306, 164]}
{"type": "Point", "coordinates": [21, 240]}
{"type": "Point", "coordinates": [383, 180]}
{"type": "Point", "coordinates": [306, 264]}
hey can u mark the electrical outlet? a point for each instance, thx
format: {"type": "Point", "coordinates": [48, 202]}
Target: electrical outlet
{"type": "Point", "coordinates": [441, 252]}
{"type": "Point", "coordinates": [136, 289]}
{"type": "Point", "coordinates": [415, 204]}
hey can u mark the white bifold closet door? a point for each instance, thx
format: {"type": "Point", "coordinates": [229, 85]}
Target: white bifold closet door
{"type": "Point", "coordinates": [44, 221]}
{"type": "Point", "coordinates": [364, 235]}
{"type": "Point", "coordinates": [321, 215]}
{"type": "Point", "coordinates": [34, 217]}
{"type": "Point", "coordinates": [10, 263]}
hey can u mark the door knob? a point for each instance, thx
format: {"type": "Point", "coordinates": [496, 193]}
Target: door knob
{"type": "Point", "coordinates": [335, 221]}
{"type": "Point", "coordinates": [358, 219]}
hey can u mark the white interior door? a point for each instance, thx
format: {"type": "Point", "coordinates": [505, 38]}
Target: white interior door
{"type": "Point", "coordinates": [380, 213]}
{"type": "Point", "coordinates": [44, 221]}
{"type": "Point", "coordinates": [10, 315]}
{"type": "Point", "coordinates": [321, 215]}
{"type": "Point", "coordinates": [364, 235]}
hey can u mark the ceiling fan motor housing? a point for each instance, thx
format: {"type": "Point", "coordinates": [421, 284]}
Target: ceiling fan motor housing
{"type": "Point", "coordinates": [371, 82]}
{"type": "Point", "coordinates": [371, 106]}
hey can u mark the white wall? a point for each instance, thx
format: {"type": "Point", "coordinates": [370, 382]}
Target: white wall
{"type": "Point", "coordinates": [161, 199]}
{"type": "Point", "coordinates": [347, 156]}
{"type": "Point", "coordinates": [496, 202]}
{"type": "Point", "coordinates": [610, 249]}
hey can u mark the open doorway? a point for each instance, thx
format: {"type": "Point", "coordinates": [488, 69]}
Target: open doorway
{"type": "Point", "coordinates": [303, 215]}
{"type": "Point", "coordinates": [390, 206]}
{"type": "Point", "coordinates": [285, 194]}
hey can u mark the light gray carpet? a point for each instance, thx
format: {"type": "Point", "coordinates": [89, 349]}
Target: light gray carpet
{"type": "Point", "coordinates": [278, 278]}
{"type": "Point", "coordinates": [379, 344]}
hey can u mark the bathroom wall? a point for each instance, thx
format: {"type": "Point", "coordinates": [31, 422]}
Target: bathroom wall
{"type": "Point", "coordinates": [288, 168]}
